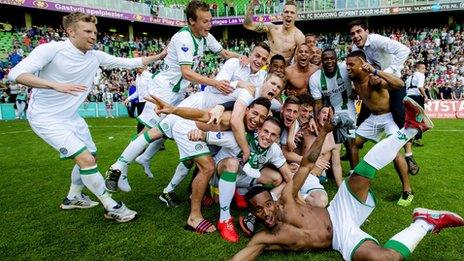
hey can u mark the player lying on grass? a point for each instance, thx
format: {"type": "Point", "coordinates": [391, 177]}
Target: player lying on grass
{"type": "Point", "coordinates": [293, 225]}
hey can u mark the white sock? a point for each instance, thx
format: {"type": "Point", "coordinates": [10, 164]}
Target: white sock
{"type": "Point", "coordinates": [132, 150]}
{"type": "Point", "coordinates": [179, 175]}
{"type": "Point", "coordinates": [406, 241]}
{"type": "Point", "coordinates": [94, 181]}
{"type": "Point", "coordinates": [76, 183]}
{"type": "Point", "coordinates": [151, 150]}
{"type": "Point", "coordinates": [226, 193]}
{"type": "Point", "coordinates": [408, 154]}
{"type": "Point", "coordinates": [385, 151]}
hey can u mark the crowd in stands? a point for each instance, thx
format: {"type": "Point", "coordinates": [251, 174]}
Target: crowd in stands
{"type": "Point", "coordinates": [442, 49]}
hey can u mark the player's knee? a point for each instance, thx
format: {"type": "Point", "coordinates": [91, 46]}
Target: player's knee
{"type": "Point", "coordinates": [85, 160]}
{"type": "Point", "coordinates": [205, 166]}
{"type": "Point", "coordinates": [231, 164]}
{"type": "Point", "coordinates": [277, 180]}
{"type": "Point", "coordinates": [154, 134]}
{"type": "Point", "coordinates": [318, 199]}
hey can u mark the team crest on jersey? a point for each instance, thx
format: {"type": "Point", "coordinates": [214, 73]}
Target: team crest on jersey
{"type": "Point", "coordinates": [165, 126]}
{"type": "Point", "coordinates": [153, 121]}
{"type": "Point", "coordinates": [261, 159]}
{"type": "Point", "coordinates": [218, 135]}
{"type": "Point", "coordinates": [198, 147]}
{"type": "Point", "coordinates": [184, 48]}
{"type": "Point", "coordinates": [63, 151]}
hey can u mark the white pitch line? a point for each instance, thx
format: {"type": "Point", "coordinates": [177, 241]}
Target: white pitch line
{"type": "Point", "coordinates": [12, 132]}
{"type": "Point", "coordinates": [127, 126]}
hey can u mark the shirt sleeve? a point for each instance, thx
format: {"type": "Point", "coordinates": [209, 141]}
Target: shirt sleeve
{"type": "Point", "coordinates": [419, 80]}
{"type": "Point", "coordinates": [111, 61]}
{"type": "Point", "coordinates": [221, 138]}
{"type": "Point", "coordinates": [228, 69]}
{"type": "Point", "coordinates": [276, 105]}
{"type": "Point", "coordinates": [36, 60]}
{"type": "Point", "coordinates": [314, 87]}
{"type": "Point", "coordinates": [399, 51]}
{"type": "Point", "coordinates": [245, 96]}
{"type": "Point", "coordinates": [277, 157]}
{"type": "Point", "coordinates": [213, 45]}
{"type": "Point", "coordinates": [184, 47]}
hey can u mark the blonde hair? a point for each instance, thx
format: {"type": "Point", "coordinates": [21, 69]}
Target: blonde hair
{"type": "Point", "coordinates": [284, 80]}
{"type": "Point", "coordinates": [72, 18]}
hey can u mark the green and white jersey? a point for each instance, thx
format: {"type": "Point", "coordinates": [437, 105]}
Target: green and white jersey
{"type": "Point", "coordinates": [258, 156]}
{"type": "Point", "coordinates": [184, 49]}
{"type": "Point", "coordinates": [335, 91]}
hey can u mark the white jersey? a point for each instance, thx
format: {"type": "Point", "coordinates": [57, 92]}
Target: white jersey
{"type": "Point", "coordinates": [232, 71]}
{"type": "Point", "coordinates": [205, 100]}
{"type": "Point", "coordinates": [62, 62]}
{"type": "Point", "coordinates": [414, 82]}
{"type": "Point", "coordinates": [141, 86]}
{"type": "Point", "coordinates": [258, 157]}
{"type": "Point", "coordinates": [184, 49]}
{"type": "Point", "coordinates": [337, 89]}
{"type": "Point", "coordinates": [389, 54]}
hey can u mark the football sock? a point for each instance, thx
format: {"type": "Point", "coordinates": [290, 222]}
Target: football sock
{"type": "Point", "coordinates": [151, 150]}
{"type": "Point", "coordinates": [181, 172]}
{"type": "Point", "coordinates": [226, 193]}
{"type": "Point", "coordinates": [134, 149]}
{"type": "Point", "coordinates": [94, 181]}
{"type": "Point", "coordinates": [385, 151]}
{"type": "Point", "coordinates": [406, 241]}
{"type": "Point", "coordinates": [76, 183]}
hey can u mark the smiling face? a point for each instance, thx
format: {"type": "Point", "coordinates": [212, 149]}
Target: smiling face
{"type": "Point", "coordinates": [264, 208]}
{"type": "Point", "coordinates": [315, 55]}
{"type": "Point", "coordinates": [329, 62]}
{"type": "Point", "coordinates": [268, 134]}
{"type": "Point", "coordinates": [83, 35]}
{"type": "Point", "coordinates": [203, 24]}
{"type": "Point", "coordinates": [359, 35]}
{"type": "Point", "coordinates": [290, 113]}
{"type": "Point", "coordinates": [272, 87]}
{"type": "Point", "coordinates": [303, 55]}
{"type": "Point", "coordinates": [289, 16]}
{"type": "Point", "coordinates": [277, 67]}
{"type": "Point", "coordinates": [255, 116]}
{"type": "Point", "coordinates": [258, 58]}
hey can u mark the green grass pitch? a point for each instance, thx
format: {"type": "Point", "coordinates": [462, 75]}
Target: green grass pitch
{"type": "Point", "coordinates": [34, 182]}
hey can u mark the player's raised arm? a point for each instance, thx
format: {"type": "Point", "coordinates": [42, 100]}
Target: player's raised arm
{"type": "Point", "coordinates": [250, 25]}
{"type": "Point", "coordinates": [308, 161]}
{"type": "Point", "coordinates": [184, 112]}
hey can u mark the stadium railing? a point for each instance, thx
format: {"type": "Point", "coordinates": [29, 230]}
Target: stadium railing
{"type": "Point", "coordinates": [86, 110]}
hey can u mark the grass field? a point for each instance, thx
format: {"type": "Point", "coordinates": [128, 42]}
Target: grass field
{"type": "Point", "coordinates": [34, 182]}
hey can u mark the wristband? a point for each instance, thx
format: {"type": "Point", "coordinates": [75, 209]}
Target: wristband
{"type": "Point", "coordinates": [375, 72]}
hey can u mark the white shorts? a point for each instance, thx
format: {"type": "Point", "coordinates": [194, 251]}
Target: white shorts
{"type": "Point", "coordinates": [311, 184]}
{"type": "Point", "coordinates": [177, 128]}
{"type": "Point", "coordinates": [69, 137]}
{"type": "Point", "coordinates": [375, 125]}
{"type": "Point", "coordinates": [347, 214]}
{"type": "Point", "coordinates": [148, 117]}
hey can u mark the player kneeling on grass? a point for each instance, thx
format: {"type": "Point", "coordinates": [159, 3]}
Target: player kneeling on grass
{"type": "Point", "coordinates": [296, 226]}
{"type": "Point", "coordinates": [233, 174]}
{"type": "Point", "coordinates": [66, 71]}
